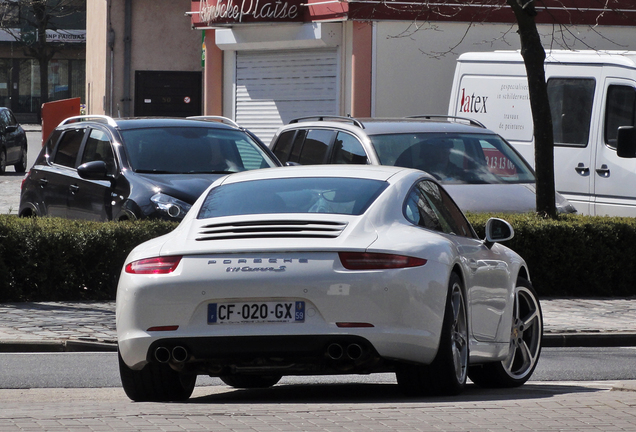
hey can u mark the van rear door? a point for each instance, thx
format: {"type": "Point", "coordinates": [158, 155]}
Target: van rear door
{"type": "Point", "coordinates": [574, 121]}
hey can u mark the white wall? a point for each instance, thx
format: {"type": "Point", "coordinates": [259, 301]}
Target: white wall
{"type": "Point", "coordinates": [421, 84]}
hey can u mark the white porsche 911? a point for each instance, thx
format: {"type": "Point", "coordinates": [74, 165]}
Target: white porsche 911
{"type": "Point", "coordinates": [335, 269]}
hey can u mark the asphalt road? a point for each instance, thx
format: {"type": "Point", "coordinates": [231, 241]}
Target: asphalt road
{"type": "Point", "coordinates": [94, 370]}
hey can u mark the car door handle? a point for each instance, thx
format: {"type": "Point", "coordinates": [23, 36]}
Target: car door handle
{"type": "Point", "coordinates": [603, 171]}
{"type": "Point", "coordinates": [73, 188]}
{"type": "Point", "coordinates": [43, 182]}
{"type": "Point", "coordinates": [582, 169]}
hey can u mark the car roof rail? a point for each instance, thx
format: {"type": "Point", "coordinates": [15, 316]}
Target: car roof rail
{"type": "Point", "coordinates": [216, 118]}
{"type": "Point", "coordinates": [351, 120]}
{"type": "Point", "coordinates": [98, 118]}
{"type": "Point", "coordinates": [472, 122]}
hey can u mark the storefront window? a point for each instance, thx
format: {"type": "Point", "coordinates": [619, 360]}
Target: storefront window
{"type": "Point", "coordinates": [20, 82]}
{"type": "Point", "coordinates": [58, 80]}
{"type": "Point", "coordinates": [28, 88]}
{"type": "Point", "coordinates": [78, 78]}
{"type": "Point", "coordinates": [5, 81]}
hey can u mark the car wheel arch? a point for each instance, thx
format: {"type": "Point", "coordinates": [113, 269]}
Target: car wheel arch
{"type": "Point", "coordinates": [28, 211]}
{"type": "Point", "coordinates": [129, 210]}
{"type": "Point", "coordinates": [523, 274]}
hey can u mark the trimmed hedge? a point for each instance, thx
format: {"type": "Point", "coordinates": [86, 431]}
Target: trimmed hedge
{"type": "Point", "coordinates": [574, 256]}
{"type": "Point", "coordinates": [50, 259]}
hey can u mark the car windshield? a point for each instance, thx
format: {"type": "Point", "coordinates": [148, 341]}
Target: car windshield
{"type": "Point", "coordinates": [455, 158]}
{"type": "Point", "coordinates": [349, 196]}
{"type": "Point", "coordinates": [181, 150]}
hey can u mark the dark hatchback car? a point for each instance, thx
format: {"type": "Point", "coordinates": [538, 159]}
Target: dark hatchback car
{"type": "Point", "coordinates": [13, 142]}
{"type": "Point", "coordinates": [100, 168]}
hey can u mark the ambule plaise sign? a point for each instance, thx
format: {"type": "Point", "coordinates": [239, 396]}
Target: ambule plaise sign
{"type": "Point", "coordinates": [210, 12]}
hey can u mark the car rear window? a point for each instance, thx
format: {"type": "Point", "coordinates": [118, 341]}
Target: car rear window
{"type": "Point", "coordinates": [349, 196]}
{"type": "Point", "coordinates": [455, 158]}
{"type": "Point", "coordinates": [180, 150]}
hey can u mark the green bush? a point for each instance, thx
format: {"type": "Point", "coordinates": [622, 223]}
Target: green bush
{"type": "Point", "coordinates": [50, 259]}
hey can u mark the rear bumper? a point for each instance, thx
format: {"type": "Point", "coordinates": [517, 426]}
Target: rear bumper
{"type": "Point", "coordinates": [286, 355]}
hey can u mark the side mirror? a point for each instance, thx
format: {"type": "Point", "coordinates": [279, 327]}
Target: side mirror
{"type": "Point", "coordinates": [95, 170]}
{"type": "Point", "coordinates": [10, 129]}
{"type": "Point", "coordinates": [626, 142]}
{"type": "Point", "coordinates": [498, 230]}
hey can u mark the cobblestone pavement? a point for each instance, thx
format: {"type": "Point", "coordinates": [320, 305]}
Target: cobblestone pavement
{"type": "Point", "coordinates": [94, 322]}
{"type": "Point", "coordinates": [576, 406]}
{"type": "Point", "coordinates": [10, 192]}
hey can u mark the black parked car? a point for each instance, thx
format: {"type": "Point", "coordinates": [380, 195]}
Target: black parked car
{"type": "Point", "coordinates": [13, 142]}
{"type": "Point", "coordinates": [100, 168]}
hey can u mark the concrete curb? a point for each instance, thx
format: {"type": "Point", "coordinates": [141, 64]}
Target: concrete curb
{"type": "Point", "coordinates": [563, 340]}
{"type": "Point", "coordinates": [56, 346]}
{"type": "Point", "coordinates": [624, 386]}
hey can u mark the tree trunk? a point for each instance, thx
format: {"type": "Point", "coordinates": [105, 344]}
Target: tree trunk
{"type": "Point", "coordinates": [534, 57]}
{"type": "Point", "coordinates": [41, 51]}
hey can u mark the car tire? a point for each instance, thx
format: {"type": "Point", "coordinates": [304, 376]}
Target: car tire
{"type": "Point", "coordinates": [250, 381]}
{"type": "Point", "coordinates": [447, 374]}
{"type": "Point", "coordinates": [156, 383]}
{"type": "Point", "coordinates": [3, 161]}
{"type": "Point", "coordinates": [525, 344]}
{"type": "Point", "coordinates": [21, 166]}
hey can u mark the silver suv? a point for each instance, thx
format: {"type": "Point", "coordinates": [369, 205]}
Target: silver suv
{"type": "Point", "coordinates": [480, 170]}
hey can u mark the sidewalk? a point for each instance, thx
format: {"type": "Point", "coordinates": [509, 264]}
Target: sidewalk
{"type": "Point", "coordinates": [90, 326]}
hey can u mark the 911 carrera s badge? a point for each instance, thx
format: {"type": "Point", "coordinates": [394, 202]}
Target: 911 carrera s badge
{"type": "Point", "coordinates": [234, 268]}
{"type": "Point", "coordinates": [255, 269]}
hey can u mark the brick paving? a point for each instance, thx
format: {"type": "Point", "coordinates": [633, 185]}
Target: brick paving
{"type": "Point", "coordinates": [588, 407]}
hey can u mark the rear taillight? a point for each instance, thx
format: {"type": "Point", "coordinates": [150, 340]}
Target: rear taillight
{"type": "Point", "coordinates": [158, 265]}
{"type": "Point", "coordinates": [377, 261]}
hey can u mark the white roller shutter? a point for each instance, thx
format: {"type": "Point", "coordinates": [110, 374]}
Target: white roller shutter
{"type": "Point", "coordinates": [273, 87]}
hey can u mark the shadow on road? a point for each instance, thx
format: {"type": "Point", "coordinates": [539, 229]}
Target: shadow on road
{"type": "Point", "coordinates": [382, 393]}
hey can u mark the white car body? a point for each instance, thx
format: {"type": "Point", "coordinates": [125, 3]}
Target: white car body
{"type": "Point", "coordinates": [378, 318]}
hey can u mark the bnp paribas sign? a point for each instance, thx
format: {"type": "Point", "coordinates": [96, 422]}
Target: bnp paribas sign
{"type": "Point", "coordinates": [211, 12]}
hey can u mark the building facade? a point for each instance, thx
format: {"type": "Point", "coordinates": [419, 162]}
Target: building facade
{"type": "Point", "coordinates": [143, 59]}
{"type": "Point", "coordinates": [273, 61]}
{"type": "Point", "coordinates": [20, 78]}
{"type": "Point", "coordinates": [267, 62]}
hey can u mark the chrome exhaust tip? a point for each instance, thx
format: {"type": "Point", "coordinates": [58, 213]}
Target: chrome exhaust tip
{"type": "Point", "coordinates": [179, 354]}
{"type": "Point", "coordinates": [335, 351]}
{"type": "Point", "coordinates": [354, 351]}
{"type": "Point", "coordinates": [162, 354]}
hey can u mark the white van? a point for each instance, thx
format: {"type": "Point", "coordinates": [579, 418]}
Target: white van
{"type": "Point", "coordinates": [591, 94]}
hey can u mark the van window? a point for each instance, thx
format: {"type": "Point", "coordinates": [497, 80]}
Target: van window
{"type": "Point", "coordinates": [619, 111]}
{"type": "Point", "coordinates": [571, 106]}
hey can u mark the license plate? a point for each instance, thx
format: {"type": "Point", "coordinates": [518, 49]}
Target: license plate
{"type": "Point", "coordinates": [256, 312]}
